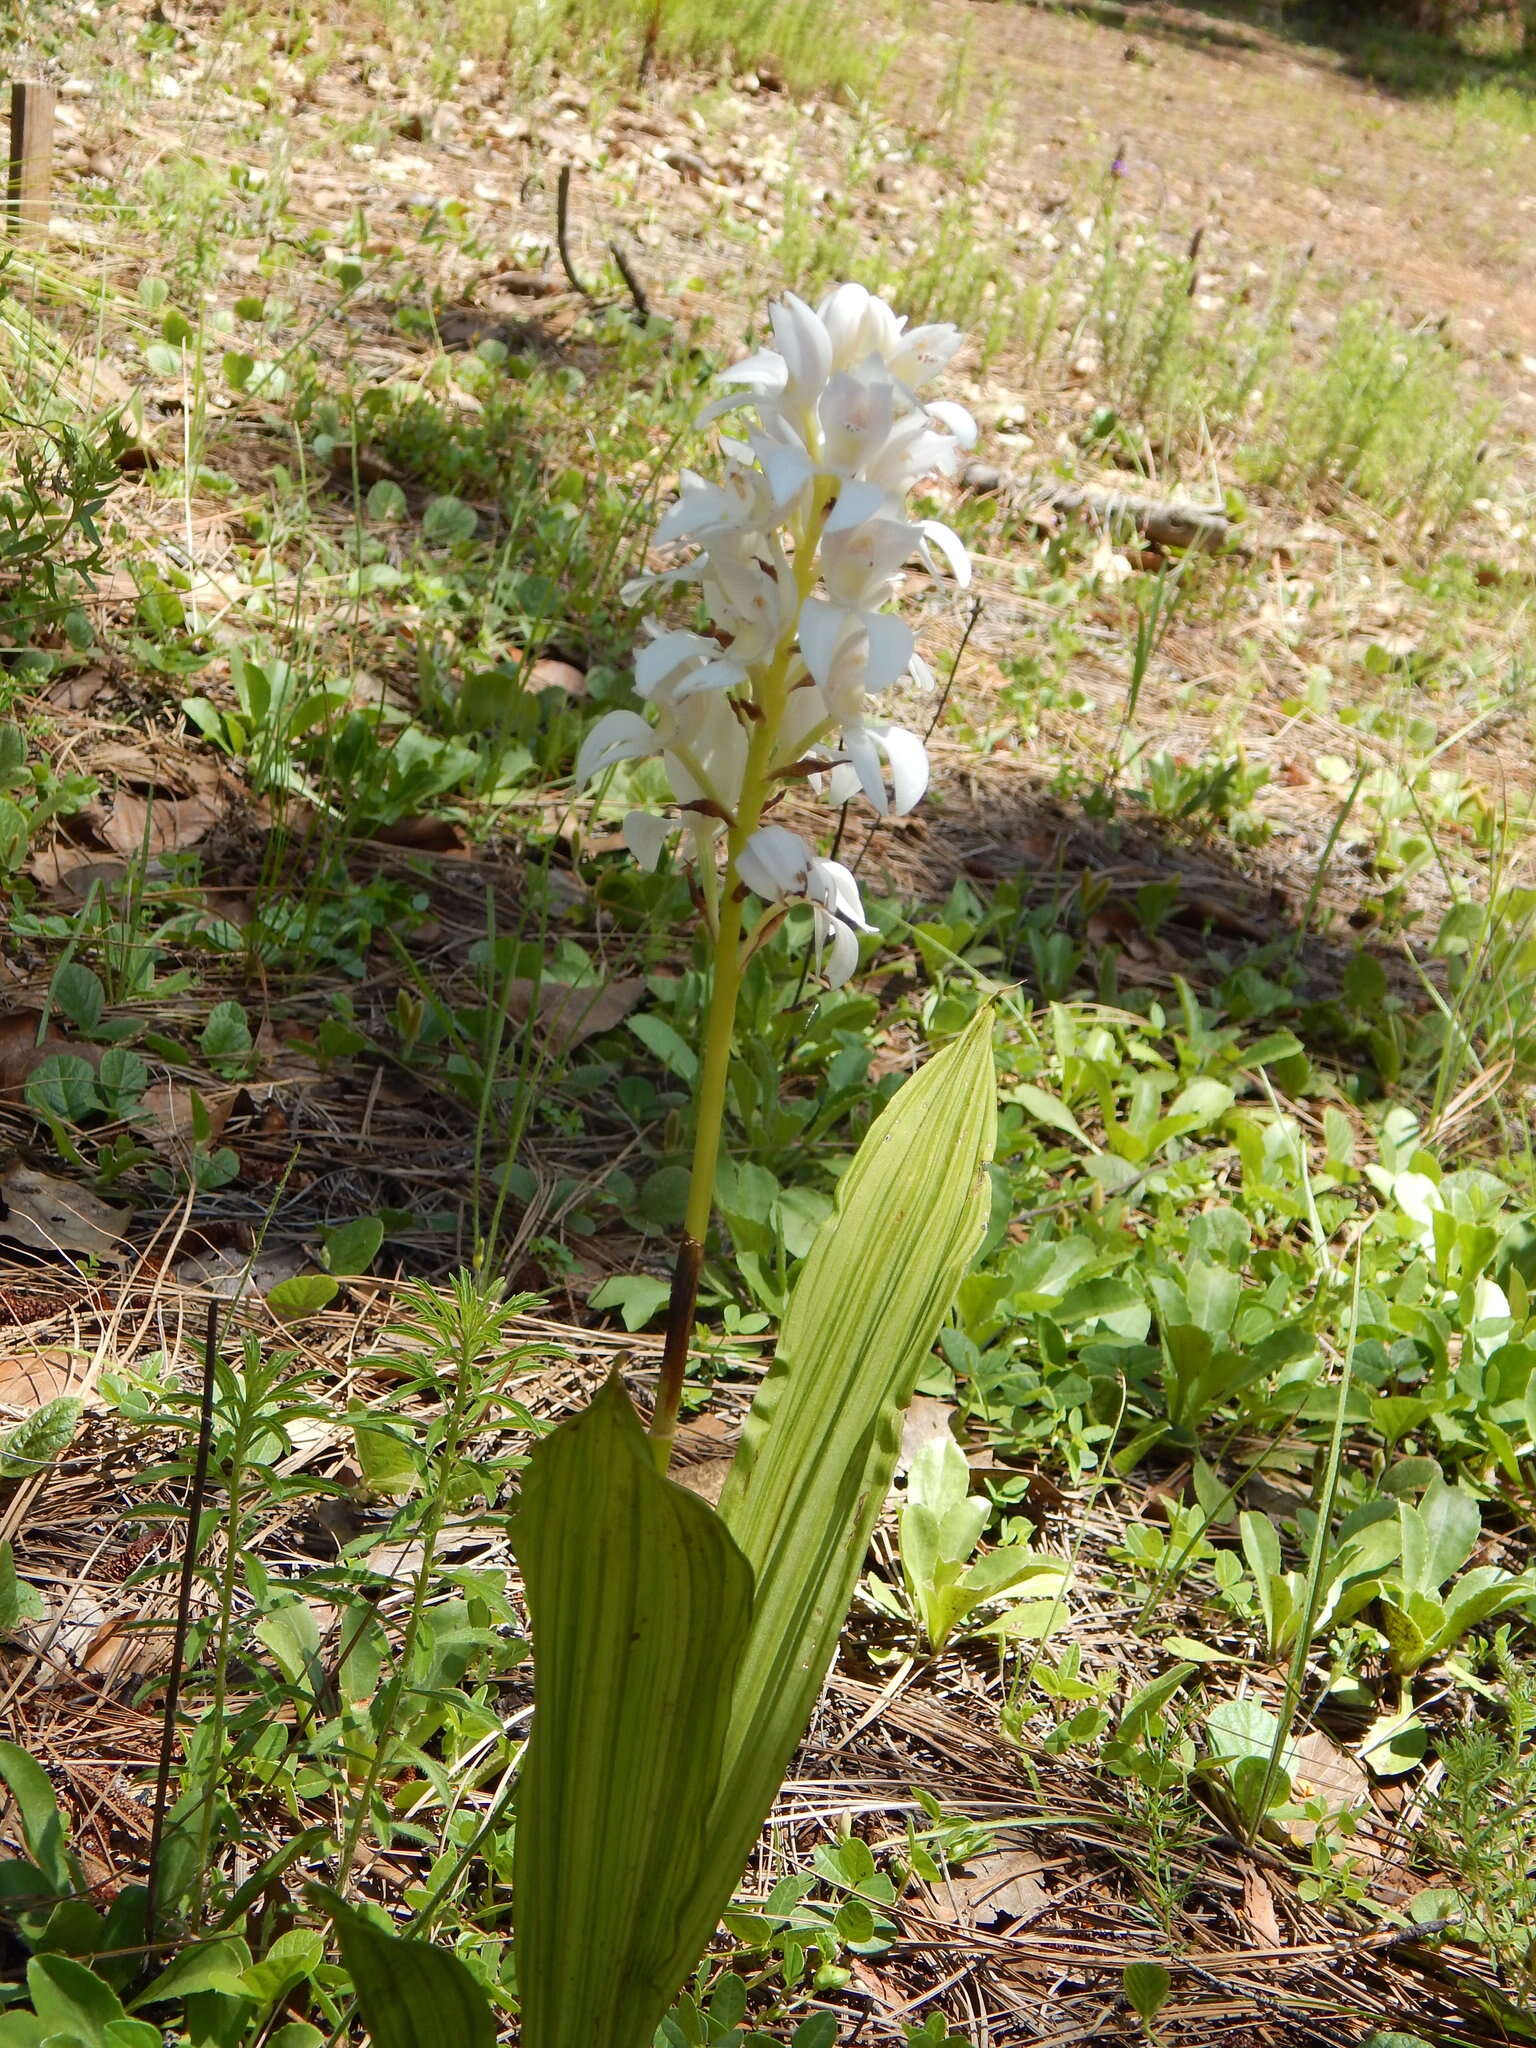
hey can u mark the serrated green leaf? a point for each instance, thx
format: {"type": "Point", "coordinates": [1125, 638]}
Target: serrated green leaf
{"type": "Point", "coordinates": [63, 1085]}
{"type": "Point", "coordinates": [388, 1463]}
{"type": "Point", "coordinates": [33, 1444]}
{"type": "Point", "coordinates": [640, 1605]}
{"type": "Point", "coordinates": [227, 1033]}
{"type": "Point", "coordinates": [76, 990]}
{"type": "Point", "coordinates": [638, 1297]}
{"type": "Point", "coordinates": [447, 520]}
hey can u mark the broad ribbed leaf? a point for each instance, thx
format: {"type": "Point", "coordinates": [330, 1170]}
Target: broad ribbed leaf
{"type": "Point", "coordinates": [820, 1445]}
{"type": "Point", "coordinates": [640, 1604]}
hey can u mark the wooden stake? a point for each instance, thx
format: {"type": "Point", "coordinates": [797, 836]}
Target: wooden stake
{"type": "Point", "coordinates": [30, 173]}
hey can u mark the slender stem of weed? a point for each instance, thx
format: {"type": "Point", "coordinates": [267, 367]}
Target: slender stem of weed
{"type": "Point", "coordinates": [464, 1388]}
{"type": "Point", "coordinates": [562, 230]}
{"type": "Point", "coordinates": [183, 1624]}
{"type": "Point", "coordinates": [1296, 1675]}
{"type": "Point", "coordinates": [1320, 877]}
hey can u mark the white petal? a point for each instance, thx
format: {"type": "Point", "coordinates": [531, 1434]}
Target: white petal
{"type": "Point", "coordinates": [617, 736]}
{"type": "Point", "coordinates": [924, 352]}
{"type": "Point", "coordinates": [804, 344]}
{"type": "Point", "coordinates": [921, 674]}
{"type": "Point", "coordinates": [864, 755]}
{"type": "Point", "coordinates": [858, 502]}
{"type": "Point", "coordinates": [822, 627]}
{"type": "Point", "coordinates": [956, 418]}
{"type": "Point", "coordinates": [774, 863]}
{"type": "Point", "coordinates": [645, 835]}
{"type": "Point", "coordinates": [764, 371]}
{"type": "Point", "coordinates": [843, 783]}
{"type": "Point", "coordinates": [890, 650]}
{"type": "Point", "coordinates": [909, 766]}
{"type": "Point", "coordinates": [710, 675]}
{"type": "Point", "coordinates": [788, 470]}
{"type": "Point", "coordinates": [839, 949]}
{"type": "Point", "coordinates": [665, 655]}
{"type": "Point", "coordinates": [833, 886]}
{"type": "Point", "coordinates": [950, 546]}
{"type": "Point", "coordinates": [842, 312]}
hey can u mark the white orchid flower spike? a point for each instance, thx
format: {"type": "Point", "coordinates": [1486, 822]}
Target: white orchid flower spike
{"type": "Point", "coordinates": [798, 550]}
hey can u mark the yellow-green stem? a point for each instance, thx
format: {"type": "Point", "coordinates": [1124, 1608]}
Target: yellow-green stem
{"type": "Point", "coordinates": [720, 1022]}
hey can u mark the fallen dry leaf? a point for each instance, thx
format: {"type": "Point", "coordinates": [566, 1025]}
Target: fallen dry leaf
{"type": "Point", "coordinates": [567, 1016]}
{"type": "Point", "coordinates": [29, 1379]}
{"type": "Point", "coordinates": [1319, 1768]}
{"type": "Point", "coordinates": [158, 825]}
{"type": "Point", "coordinates": [705, 1476]}
{"type": "Point", "coordinates": [55, 1215]}
{"type": "Point", "coordinates": [133, 764]}
{"type": "Point", "coordinates": [1002, 1884]}
{"type": "Point", "coordinates": [70, 871]}
{"type": "Point", "coordinates": [1259, 1909]}
{"type": "Point", "coordinates": [21, 1055]}
{"type": "Point", "coordinates": [425, 834]}
{"type": "Point", "coordinates": [168, 1113]}
{"type": "Point", "coordinates": [925, 1422]}
{"type": "Point", "coordinates": [77, 692]}
{"type": "Point", "coordinates": [558, 675]}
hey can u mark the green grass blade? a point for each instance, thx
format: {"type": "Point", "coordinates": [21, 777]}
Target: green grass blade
{"type": "Point", "coordinates": [640, 1603]}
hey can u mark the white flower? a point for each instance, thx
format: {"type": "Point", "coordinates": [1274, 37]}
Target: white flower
{"type": "Point", "coordinates": [777, 865]}
{"type": "Point", "coordinates": [795, 553]}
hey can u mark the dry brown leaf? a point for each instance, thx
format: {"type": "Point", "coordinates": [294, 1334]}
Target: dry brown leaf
{"type": "Point", "coordinates": [55, 1215]}
{"type": "Point", "coordinates": [1259, 1910]}
{"type": "Point", "coordinates": [925, 1422]}
{"type": "Point", "coordinates": [558, 675]}
{"type": "Point", "coordinates": [1002, 1884]}
{"type": "Point", "coordinates": [133, 764]}
{"type": "Point", "coordinates": [705, 1476]}
{"type": "Point", "coordinates": [425, 834]}
{"type": "Point", "coordinates": [1319, 1768]}
{"type": "Point", "coordinates": [168, 1118]}
{"type": "Point", "coordinates": [30, 1378]}
{"type": "Point", "coordinates": [21, 1055]}
{"type": "Point", "coordinates": [19, 1049]}
{"type": "Point", "coordinates": [161, 825]}
{"type": "Point", "coordinates": [77, 692]}
{"type": "Point", "coordinates": [566, 1016]}
{"type": "Point", "coordinates": [70, 871]}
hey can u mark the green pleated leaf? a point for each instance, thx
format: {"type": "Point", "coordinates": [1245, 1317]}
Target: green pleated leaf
{"type": "Point", "coordinates": [411, 1994]}
{"type": "Point", "coordinates": [820, 1445]}
{"type": "Point", "coordinates": [640, 1604]}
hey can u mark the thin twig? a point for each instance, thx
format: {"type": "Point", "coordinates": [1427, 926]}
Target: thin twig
{"type": "Point", "coordinates": [635, 287]}
{"type": "Point", "coordinates": [183, 1622]}
{"type": "Point", "coordinates": [562, 227]}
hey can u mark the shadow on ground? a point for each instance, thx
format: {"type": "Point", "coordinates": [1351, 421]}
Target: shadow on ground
{"type": "Point", "coordinates": [1389, 55]}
